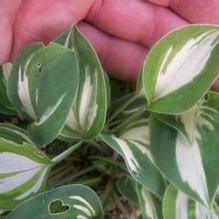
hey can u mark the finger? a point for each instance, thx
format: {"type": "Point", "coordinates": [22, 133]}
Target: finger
{"type": "Point", "coordinates": [195, 11]}
{"type": "Point", "coordinates": [133, 20]}
{"type": "Point", "coordinates": [43, 20]}
{"type": "Point", "coordinates": [122, 59]}
{"type": "Point", "coordinates": [160, 2]}
{"type": "Point", "coordinates": [8, 12]}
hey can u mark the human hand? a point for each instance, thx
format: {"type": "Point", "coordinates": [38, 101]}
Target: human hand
{"type": "Point", "coordinates": [122, 31]}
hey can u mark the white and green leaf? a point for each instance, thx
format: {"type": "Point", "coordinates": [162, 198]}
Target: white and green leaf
{"type": "Point", "coordinates": [189, 163]}
{"type": "Point", "coordinates": [42, 87]}
{"type": "Point", "coordinates": [149, 205]}
{"type": "Point", "coordinates": [133, 146]}
{"type": "Point", "coordinates": [14, 133]}
{"type": "Point", "coordinates": [177, 205]}
{"type": "Point", "coordinates": [87, 116]}
{"type": "Point", "coordinates": [72, 201]}
{"type": "Point", "coordinates": [180, 68]}
{"type": "Point", "coordinates": [23, 171]}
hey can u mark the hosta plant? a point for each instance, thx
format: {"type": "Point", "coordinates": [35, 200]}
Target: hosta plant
{"type": "Point", "coordinates": [150, 152]}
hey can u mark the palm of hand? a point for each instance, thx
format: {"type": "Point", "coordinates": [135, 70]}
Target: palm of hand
{"type": "Point", "coordinates": [122, 31]}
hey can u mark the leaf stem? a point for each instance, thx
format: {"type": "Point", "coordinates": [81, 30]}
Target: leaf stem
{"type": "Point", "coordinates": [126, 122]}
{"type": "Point", "coordinates": [76, 175]}
{"type": "Point", "coordinates": [90, 181]}
{"type": "Point", "coordinates": [66, 153]}
{"type": "Point", "coordinates": [121, 108]}
{"type": "Point", "coordinates": [100, 147]}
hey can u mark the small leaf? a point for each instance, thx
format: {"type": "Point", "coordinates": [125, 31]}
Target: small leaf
{"type": "Point", "coordinates": [42, 85]}
{"type": "Point", "coordinates": [72, 201]}
{"type": "Point", "coordinates": [23, 171]}
{"type": "Point", "coordinates": [189, 163]}
{"type": "Point", "coordinates": [180, 68]}
{"type": "Point", "coordinates": [133, 146]}
{"type": "Point", "coordinates": [150, 206]}
{"type": "Point", "coordinates": [88, 114]}
{"type": "Point", "coordinates": [177, 205]}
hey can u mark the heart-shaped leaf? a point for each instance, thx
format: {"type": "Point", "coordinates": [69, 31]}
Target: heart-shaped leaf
{"type": "Point", "coordinates": [177, 205]}
{"type": "Point", "coordinates": [180, 68]}
{"type": "Point", "coordinates": [133, 146]}
{"type": "Point", "coordinates": [5, 105]}
{"type": "Point", "coordinates": [189, 163]}
{"type": "Point", "coordinates": [88, 114]}
{"type": "Point", "coordinates": [72, 201]}
{"type": "Point", "coordinates": [150, 206]}
{"type": "Point", "coordinates": [42, 85]}
{"type": "Point", "coordinates": [23, 171]}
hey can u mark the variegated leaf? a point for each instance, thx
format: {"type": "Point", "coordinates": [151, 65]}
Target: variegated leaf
{"type": "Point", "coordinates": [42, 86]}
{"type": "Point", "coordinates": [72, 201]}
{"type": "Point", "coordinates": [180, 68]}
{"type": "Point", "coordinates": [23, 171]}
{"type": "Point", "coordinates": [5, 105]}
{"type": "Point", "coordinates": [177, 205]}
{"type": "Point", "coordinates": [14, 133]}
{"type": "Point", "coordinates": [88, 114]}
{"type": "Point", "coordinates": [189, 163]}
{"type": "Point", "coordinates": [150, 206]}
{"type": "Point", "coordinates": [133, 146]}
{"type": "Point", "coordinates": [186, 123]}
{"type": "Point", "coordinates": [17, 86]}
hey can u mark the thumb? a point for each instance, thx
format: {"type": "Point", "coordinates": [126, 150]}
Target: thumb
{"type": "Point", "coordinates": [160, 2]}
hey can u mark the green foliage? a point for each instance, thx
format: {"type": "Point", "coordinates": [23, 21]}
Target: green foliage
{"type": "Point", "coordinates": [72, 201]}
{"type": "Point", "coordinates": [42, 86]}
{"type": "Point", "coordinates": [87, 117]}
{"type": "Point", "coordinates": [178, 205]}
{"type": "Point", "coordinates": [180, 68]}
{"type": "Point", "coordinates": [22, 172]}
{"type": "Point", "coordinates": [149, 153]}
{"type": "Point", "coordinates": [191, 156]}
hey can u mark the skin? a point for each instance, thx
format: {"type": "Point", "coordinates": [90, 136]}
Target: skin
{"type": "Point", "coordinates": [122, 31]}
